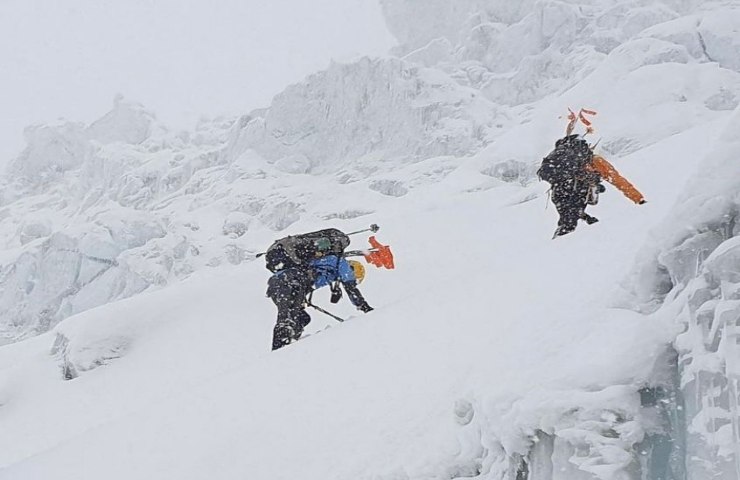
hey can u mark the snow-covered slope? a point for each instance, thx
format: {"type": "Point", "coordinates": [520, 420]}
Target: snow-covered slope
{"type": "Point", "coordinates": [493, 351]}
{"type": "Point", "coordinates": [461, 364]}
{"type": "Point", "coordinates": [100, 212]}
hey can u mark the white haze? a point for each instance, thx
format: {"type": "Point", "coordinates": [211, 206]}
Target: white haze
{"type": "Point", "coordinates": [182, 58]}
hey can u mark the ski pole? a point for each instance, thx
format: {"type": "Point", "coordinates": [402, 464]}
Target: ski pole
{"type": "Point", "coordinates": [359, 253]}
{"type": "Point", "coordinates": [338, 319]}
{"type": "Point", "coordinates": [373, 228]}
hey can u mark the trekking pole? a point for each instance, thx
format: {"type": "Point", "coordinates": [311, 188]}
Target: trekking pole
{"type": "Point", "coordinates": [359, 253]}
{"type": "Point", "coordinates": [338, 319]}
{"type": "Point", "coordinates": [373, 228]}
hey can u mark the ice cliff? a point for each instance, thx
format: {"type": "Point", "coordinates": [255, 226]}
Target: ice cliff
{"type": "Point", "coordinates": [690, 275]}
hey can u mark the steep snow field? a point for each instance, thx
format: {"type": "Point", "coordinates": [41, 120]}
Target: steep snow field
{"type": "Point", "coordinates": [483, 308]}
{"type": "Point", "coordinates": [136, 331]}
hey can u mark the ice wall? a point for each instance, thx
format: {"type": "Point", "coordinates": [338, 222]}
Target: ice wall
{"type": "Point", "coordinates": [691, 276]}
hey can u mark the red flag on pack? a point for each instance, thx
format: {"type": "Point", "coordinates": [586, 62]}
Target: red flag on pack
{"type": "Point", "coordinates": [573, 118]}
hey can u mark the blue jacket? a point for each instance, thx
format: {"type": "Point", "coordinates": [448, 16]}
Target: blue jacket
{"type": "Point", "coordinates": [331, 268]}
{"type": "Point", "coordinates": [324, 271]}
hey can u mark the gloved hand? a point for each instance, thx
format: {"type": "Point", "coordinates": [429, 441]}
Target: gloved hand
{"type": "Point", "coordinates": [642, 202]}
{"type": "Point", "coordinates": [365, 308]}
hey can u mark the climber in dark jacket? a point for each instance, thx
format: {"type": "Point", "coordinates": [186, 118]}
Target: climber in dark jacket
{"type": "Point", "coordinates": [289, 288]}
{"type": "Point", "coordinates": [575, 174]}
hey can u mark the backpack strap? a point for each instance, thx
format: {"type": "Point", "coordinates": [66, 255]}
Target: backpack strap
{"type": "Point", "coordinates": [336, 291]}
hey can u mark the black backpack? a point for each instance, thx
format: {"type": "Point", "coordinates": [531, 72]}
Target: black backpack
{"type": "Point", "coordinates": [567, 161]}
{"type": "Point", "coordinates": [299, 250]}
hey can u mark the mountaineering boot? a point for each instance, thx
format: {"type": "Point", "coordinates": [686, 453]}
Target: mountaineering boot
{"type": "Point", "coordinates": [282, 335]}
{"type": "Point", "coordinates": [297, 332]}
{"type": "Point", "coordinates": [365, 308]}
{"type": "Point", "coordinates": [588, 218]}
{"type": "Point", "coordinates": [299, 323]}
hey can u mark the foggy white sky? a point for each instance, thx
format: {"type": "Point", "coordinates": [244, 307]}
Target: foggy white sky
{"type": "Point", "coordinates": [180, 58]}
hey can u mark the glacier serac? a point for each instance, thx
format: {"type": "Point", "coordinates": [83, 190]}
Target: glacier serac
{"type": "Point", "coordinates": [135, 331]}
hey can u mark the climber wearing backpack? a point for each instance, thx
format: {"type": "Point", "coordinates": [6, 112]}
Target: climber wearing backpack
{"type": "Point", "coordinates": [289, 288]}
{"type": "Point", "coordinates": [575, 175]}
{"type": "Point", "coordinates": [304, 263]}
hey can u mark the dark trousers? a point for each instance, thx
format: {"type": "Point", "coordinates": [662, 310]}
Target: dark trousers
{"type": "Point", "coordinates": [570, 201]}
{"type": "Point", "coordinates": [288, 291]}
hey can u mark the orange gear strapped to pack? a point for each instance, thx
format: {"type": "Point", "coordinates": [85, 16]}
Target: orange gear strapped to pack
{"type": "Point", "coordinates": [607, 171]}
{"type": "Point", "coordinates": [382, 256]}
{"type": "Point", "coordinates": [599, 164]}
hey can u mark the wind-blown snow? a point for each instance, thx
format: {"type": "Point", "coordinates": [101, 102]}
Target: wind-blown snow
{"type": "Point", "coordinates": [134, 313]}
